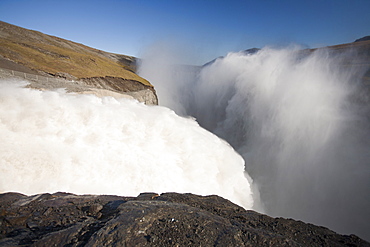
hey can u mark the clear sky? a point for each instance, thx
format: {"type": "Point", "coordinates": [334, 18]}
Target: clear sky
{"type": "Point", "coordinates": [205, 29]}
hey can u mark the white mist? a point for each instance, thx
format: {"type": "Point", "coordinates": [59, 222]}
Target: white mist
{"type": "Point", "coordinates": [300, 124]}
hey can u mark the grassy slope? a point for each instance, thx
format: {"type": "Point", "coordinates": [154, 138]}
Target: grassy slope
{"type": "Point", "coordinates": [54, 55]}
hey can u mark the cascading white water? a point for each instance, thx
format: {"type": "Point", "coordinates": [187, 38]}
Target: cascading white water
{"type": "Point", "coordinates": [297, 119]}
{"type": "Point", "coordinates": [53, 141]}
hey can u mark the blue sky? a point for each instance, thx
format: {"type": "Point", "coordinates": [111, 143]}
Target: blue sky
{"type": "Point", "coordinates": [204, 29]}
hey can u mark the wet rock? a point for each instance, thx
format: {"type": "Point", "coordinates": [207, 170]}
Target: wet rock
{"type": "Point", "coordinates": [169, 219]}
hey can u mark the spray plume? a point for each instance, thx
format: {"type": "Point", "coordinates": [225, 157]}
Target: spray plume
{"type": "Point", "coordinates": [300, 121]}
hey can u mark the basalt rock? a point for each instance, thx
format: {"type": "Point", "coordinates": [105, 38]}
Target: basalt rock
{"type": "Point", "coordinates": [169, 219]}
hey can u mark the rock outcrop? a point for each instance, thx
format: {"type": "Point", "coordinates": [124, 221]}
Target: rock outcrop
{"type": "Point", "coordinates": [169, 219]}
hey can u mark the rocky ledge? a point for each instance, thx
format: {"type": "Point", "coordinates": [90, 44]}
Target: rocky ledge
{"type": "Point", "coordinates": [169, 219]}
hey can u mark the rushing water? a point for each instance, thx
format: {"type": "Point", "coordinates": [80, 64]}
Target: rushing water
{"type": "Point", "coordinates": [53, 141]}
{"type": "Point", "coordinates": [300, 121]}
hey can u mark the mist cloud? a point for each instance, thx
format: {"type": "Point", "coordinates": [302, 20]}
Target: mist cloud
{"type": "Point", "coordinates": [299, 120]}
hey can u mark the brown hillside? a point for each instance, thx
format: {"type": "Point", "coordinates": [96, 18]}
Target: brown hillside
{"type": "Point", "coordinates": [55, 56]}
{"type": "Point", "coordinates": [360, 57]}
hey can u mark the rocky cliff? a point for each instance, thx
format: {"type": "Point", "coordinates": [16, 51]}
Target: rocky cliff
{"type": "Point", "coordinates": [169, 219]}
{"type": "Point", "coordinates": [92, 70]}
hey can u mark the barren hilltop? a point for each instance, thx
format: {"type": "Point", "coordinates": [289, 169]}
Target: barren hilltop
{"type": "Point", "coordinates": [37, 53]}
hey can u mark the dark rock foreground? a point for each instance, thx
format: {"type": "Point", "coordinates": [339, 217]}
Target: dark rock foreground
{"type": "Point", "coordinates": [169, 219]}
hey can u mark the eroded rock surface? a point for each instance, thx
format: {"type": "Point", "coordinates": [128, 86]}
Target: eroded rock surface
{"type": "Point", "coordinates": [169, 219]}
